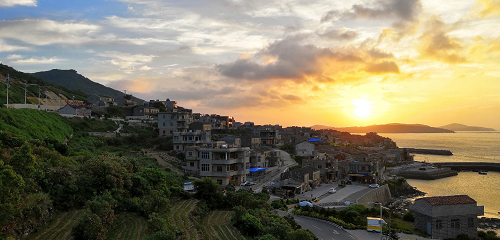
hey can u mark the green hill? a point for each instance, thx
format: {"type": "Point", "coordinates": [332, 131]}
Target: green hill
{"type": "Point", "coordinates": [71, 79]}
{"type": "Point", "coordinates": [16, 90]}
{"type": "Point", "coordinates": [33, 124]}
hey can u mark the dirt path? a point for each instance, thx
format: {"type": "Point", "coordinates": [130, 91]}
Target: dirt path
{"type": "Point", "coordinates": [140, 229]}
{"type": "Point", "coordinates": [161, 159]}
{"type": "Point", "coordinates": [216, 234]}
{"type": "Point", "coordinates": [191, 223]}
{"type": "Point", "coordinates": [51, 228]}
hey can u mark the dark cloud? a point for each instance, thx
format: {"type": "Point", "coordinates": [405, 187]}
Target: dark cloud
{"type": "Point", "coordinates": [291, 97]}
{"type": "Point", "coordinates": [294, 61]}
{"type": "Point", "coordinates": [382, 68]}
{"type": "Point", "coordinates": [339, 34]}
{"type": "Point", "coordinates": [378, 54]}
{"type": "Point", "coordinates": [405, 10]}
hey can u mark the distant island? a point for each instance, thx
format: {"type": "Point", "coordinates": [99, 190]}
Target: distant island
{"type": "Point", "coordinates": [461, 127]}
{"type": "Point", "coordinates": [389, 128]}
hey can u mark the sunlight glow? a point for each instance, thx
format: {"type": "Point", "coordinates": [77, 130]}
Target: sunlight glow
{"type": "Point", "coordinates": [362, 107]}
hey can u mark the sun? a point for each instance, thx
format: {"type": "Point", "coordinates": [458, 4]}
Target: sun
{"type": "Point", "coordinates": [362, 107]}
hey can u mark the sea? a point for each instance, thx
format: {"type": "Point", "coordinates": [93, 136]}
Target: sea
{"type": "Point", "coordinates": [466, 147]}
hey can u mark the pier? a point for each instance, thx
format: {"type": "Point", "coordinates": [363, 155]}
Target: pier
{"type": "Point", "coordinates": [469, 166]}
{"type": "Point", "coordinates": [430, 151]}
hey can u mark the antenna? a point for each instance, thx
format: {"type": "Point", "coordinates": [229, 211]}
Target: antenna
{"type": "Point", "coordinates": [7, 82]}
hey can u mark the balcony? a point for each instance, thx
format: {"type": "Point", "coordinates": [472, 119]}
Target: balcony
{"type": "Point", "coordinates": [224, 174]}
{"type": "Point", "coordinates": [228, 161]}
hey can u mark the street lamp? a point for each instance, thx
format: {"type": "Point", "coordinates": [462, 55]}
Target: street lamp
{"type": "Point", "coordinates": [381, 225]}
{"type": "Point", "coordinates": [7, 82]}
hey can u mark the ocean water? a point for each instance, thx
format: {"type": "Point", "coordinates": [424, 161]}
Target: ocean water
{"type": "Point", "coordinates": [466, 147]}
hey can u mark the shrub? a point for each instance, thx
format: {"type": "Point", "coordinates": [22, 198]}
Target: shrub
{"type": "Point", "coordinates": [409, 216]}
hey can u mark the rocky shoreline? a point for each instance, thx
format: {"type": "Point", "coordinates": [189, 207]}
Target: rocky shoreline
{"type": "Point", "coordinates": [489, 223]}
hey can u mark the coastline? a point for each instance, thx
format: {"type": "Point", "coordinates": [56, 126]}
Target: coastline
{"type": "Point", "coordinates": [486, 222]}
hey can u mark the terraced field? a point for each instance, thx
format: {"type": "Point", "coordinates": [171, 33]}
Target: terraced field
{"type": "Point", "coordinates": [59, 228]}
{"type": "Point", "coordinates": [218, 226]}
{"type": "Point", "coordinates": [127, 226]}
{"type": "Point", "coordinates": [180, 217]}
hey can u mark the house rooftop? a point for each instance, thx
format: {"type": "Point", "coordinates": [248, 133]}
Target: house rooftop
{"type": "Point", "coordinates": [449, 200]}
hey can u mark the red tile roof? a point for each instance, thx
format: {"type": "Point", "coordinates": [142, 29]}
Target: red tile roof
{"type": "Point", "coordinates": [449, 200]}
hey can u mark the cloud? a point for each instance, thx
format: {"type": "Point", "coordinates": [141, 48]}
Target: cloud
{"type": "Point", "coordinates": [487, 7]}
{"type": "Point", "coordinates": [436, 44]}
{"type": "Point", "coordinates": [378, 54]}
{"type": "Point", "coordinates": [10, 48]}
{"type": "Point", "coordinates": [127, 60]}
{"type": "Point", "coordinates": [382, 68]}
{"type": "Point", "coordinates": [38, 60]}
{"type": "Point", "coordinates": [339, 34]}
{"type": "Point", "coordinates": [41, 32]}
{"type": "Point", "coordinates": [11, 3]}
{"type": "Point", "coordinates": [406, 10]}
{"type": "Point", "coordinates": [14, 56]}
{"type": "Point", "coordinates": [291, 97]}
{"type": "Point", "coordinates": [293, 61]}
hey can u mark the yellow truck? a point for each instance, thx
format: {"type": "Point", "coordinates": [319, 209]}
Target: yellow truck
{"type": "Point", "coordinates": [374, 224]}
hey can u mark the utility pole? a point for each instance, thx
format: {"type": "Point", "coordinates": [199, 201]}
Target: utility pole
{"type": "Point", "coordinates": [39, 91]}
{"type": "Point", "coordinates": [73, 102]}
{"type": "Point", "coordinates": [381, 225]}
{"type": "Point", "coordinates": [59, 101]}
{"type": "Point", "coordinates": [25, 91]}
{"type": "Point", "coordinates": [7, 82]}
{"type": "Point", "coordinates": [46, 99]}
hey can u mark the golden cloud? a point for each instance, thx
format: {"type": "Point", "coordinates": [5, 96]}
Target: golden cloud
{"type": "Point", "coordinates": [485, 8]}
{"type": "Point", "coordinates": [436, 44]}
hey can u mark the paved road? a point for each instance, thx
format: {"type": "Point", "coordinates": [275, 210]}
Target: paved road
{"type": "Point", "coordinates": [321, 229]}
{"type": "Point", "coordinates": [342, 194]}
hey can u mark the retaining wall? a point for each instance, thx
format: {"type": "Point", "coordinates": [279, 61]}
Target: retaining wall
{"type": "Point", "coordinates": [381, 194]}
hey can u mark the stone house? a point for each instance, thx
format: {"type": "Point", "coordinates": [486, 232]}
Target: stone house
{"type": "Point", "coordinates": [80, 110]}
{"type": "Point", "coordinates": [146, 111]}
{"type": "Point", "coordinates": [447, 216]}
{"type": "Point", "coordinates": [305, 149]}
{"type": "Point", "coordinates": [101, 101]}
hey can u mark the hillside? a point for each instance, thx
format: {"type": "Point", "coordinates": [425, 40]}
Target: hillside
{"type": "Point", "coordinates": [461, 127]}
{"type": "Point", "coordinates": [16, 90]}
{"type": "Point", "coordinates": [389, 128]}
{"type": "Point", "coordinates": [71, 79]}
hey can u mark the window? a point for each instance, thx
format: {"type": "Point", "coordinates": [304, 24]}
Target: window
{"type": "Point", "coordinates": [191, 164]}
{"type": "Point", "coordinates": [219, 181]}
{"type": "Point", "coordinates": [190, 138]}
{"type": "Point", "coordinates": [176, 138]}
{"type": "Point", "coordinates": [190, 154]}
{"type": "Point", "coordinates": [205, 167]}
{"type": "Point", "coordinates": [219, 168]}
{"type": "Point", "coordinates": [470, 222]}
{"type": "Point", "coordinates": [164, 124]}
{"type": "Point", "coordinates": [171, 124]}
{"type": "Point", "coordinates": [439, 224]}
{"type": "Point", "coordinates": [177, 147]}
{"type": "Point", "coordinates": [319, 166]}
{"type": "Point", "coordinates": [163, 131]}
{"type": "Point", "coordinates": [258, 159]}
{"type": "Point", "coordinates": [163, 116]}
{"type": "Point", "coordinates": [455, 223]}
{"type": "Point", "coordinates": [205, 155]}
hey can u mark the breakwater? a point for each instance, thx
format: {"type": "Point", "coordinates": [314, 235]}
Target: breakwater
{"type": "Point", "coordinates": [428, 174]}
{"type": "Point", "coordinates": [469, 166]}
{"type": "Point", "coordinates": [430, 151]}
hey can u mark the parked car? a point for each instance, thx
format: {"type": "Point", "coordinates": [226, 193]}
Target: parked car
{"type": "Point", "coordinates": [422, 169]}
{"type": "Point", "coordinates": [332, 190]}
{"type": "Point", "coordinates": [373, 185]}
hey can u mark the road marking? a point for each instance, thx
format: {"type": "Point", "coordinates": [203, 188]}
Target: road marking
{"type": "Point", "coordinates": [352, 236]}
{"type": "Point", "coordinates": [335, 232]}
{"type": "Point", "coordinates": [316, 227]}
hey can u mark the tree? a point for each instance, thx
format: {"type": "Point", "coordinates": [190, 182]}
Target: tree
{"type": "Point", "coordinates": [207, 189]}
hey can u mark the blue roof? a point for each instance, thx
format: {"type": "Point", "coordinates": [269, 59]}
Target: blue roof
{"type": "Point", "coordinates": [315, 140]}
{"type": "Point", "coordinates": [257, 169]}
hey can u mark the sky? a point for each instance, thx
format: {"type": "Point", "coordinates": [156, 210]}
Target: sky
{"type": "Point", "coordinates": [293, 63]}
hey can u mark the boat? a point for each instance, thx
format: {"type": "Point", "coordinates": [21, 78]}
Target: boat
{"type": "Point", "coordinates": [482, 172]}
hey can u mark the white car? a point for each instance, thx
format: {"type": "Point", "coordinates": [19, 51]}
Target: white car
{"type": "Point", "coordinates": [373, 185]}
{"type": "Point", "coordinates": [332, 190]}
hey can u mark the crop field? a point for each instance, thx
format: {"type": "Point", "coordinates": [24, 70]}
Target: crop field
{"type": "Point", "coordinates": [180, 217]}
{"type": "Point", "coordinates": [59, 228]}
{"type": "Point", "coordinates": [217, 225]}
{"type": "Point", "coordinates": [126, 226]}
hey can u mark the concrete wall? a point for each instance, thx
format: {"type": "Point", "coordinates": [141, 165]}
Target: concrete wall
{"type": "Point", "coordinates": [381, 194]}
{"type": "Point", "coordinates": [109, 134]}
